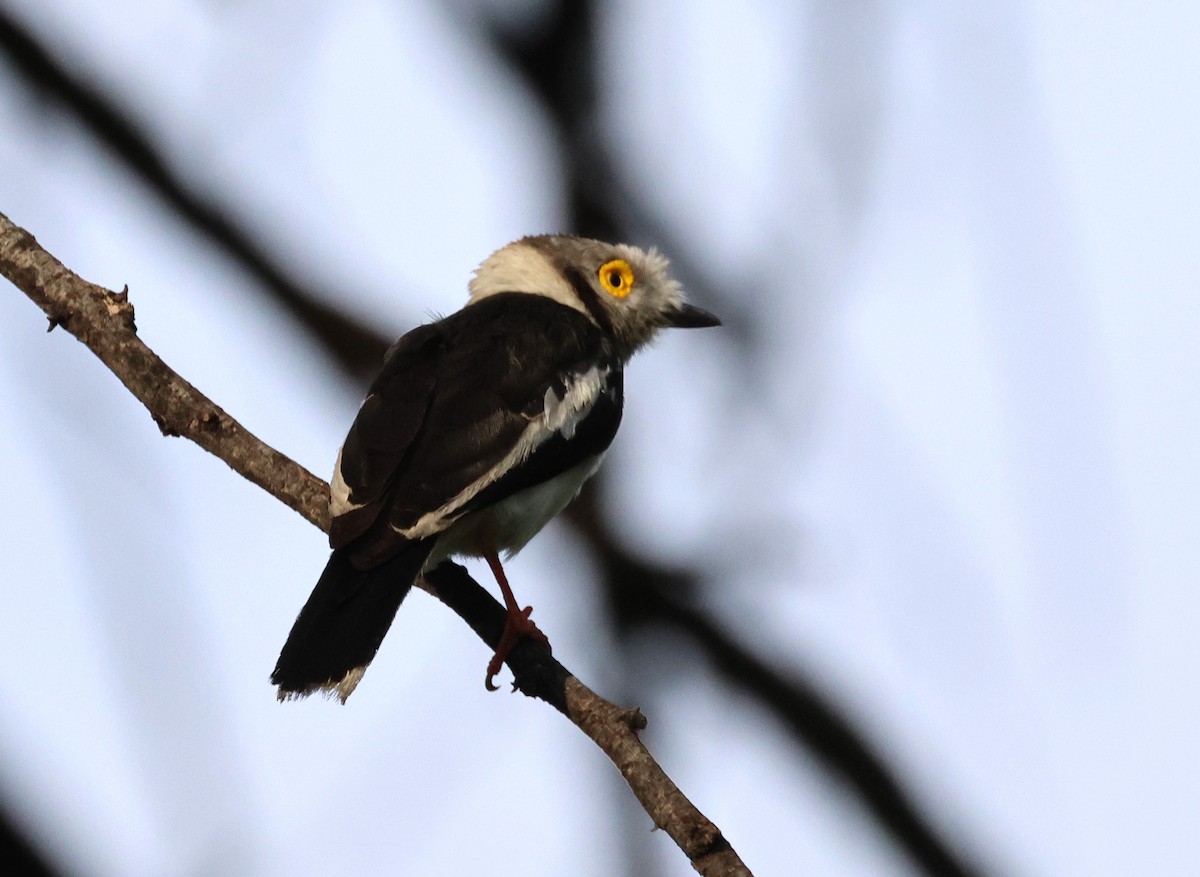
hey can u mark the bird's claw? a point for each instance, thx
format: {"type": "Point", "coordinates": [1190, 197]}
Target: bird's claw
{"type": "Point", "coordinates": [516, 625]}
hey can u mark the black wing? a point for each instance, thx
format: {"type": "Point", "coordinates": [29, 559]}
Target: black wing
{"type": "Point", "coordinates": [460, 417]}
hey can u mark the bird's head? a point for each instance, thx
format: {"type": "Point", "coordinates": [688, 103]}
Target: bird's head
{"type": "Point", "coordinates": [626, 291]}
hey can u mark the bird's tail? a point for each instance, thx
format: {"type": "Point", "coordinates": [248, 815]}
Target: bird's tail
{"type": "Point", "coordinates": [339, 630]}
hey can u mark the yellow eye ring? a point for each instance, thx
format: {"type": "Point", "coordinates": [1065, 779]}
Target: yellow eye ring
{"type": "Point", "coordinates": [617, 278]}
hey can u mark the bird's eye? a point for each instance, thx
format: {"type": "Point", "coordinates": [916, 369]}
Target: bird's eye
{"type": "Point", "coordinates": [617, 278]}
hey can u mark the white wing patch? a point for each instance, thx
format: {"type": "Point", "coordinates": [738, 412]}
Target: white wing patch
{"type": "Point", "coordinates": [563, 415]}
{"type": "Point", "coordinates": [559, 416]}
{"type": "Point", "coordinates": [339, 491]}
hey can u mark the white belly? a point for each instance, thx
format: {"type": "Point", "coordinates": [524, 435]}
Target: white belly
{"type": "Point", "coordinates": [512, 522]}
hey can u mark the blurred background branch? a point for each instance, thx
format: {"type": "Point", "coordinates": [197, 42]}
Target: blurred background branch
{"type": "Point", "coordinates": [352, 346]}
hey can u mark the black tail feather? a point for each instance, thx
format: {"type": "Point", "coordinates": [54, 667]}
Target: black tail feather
{"type": "Point", "coordinates": [339, 630]}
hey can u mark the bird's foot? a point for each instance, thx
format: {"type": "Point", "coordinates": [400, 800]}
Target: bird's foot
{"type": "Point", "coordinates": [517, 624]}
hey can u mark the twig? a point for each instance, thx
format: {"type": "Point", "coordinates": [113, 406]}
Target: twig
{"type": "Point", "coordinates": [614, 730]}
{"type": "Point", "coordinates": [104, 321]}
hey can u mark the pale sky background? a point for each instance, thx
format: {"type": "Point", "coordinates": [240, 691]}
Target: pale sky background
{"type": "Point", "coordinates": [958, 483]}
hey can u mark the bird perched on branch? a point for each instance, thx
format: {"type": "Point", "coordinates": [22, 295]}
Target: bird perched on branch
{"type": "Point", "coordinates": [479, 429]}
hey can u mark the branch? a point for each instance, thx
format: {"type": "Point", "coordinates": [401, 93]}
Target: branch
{"type": "Point", "coordinates": [614, 730]}
{"type": "Point", "coordinates": [104, 321]}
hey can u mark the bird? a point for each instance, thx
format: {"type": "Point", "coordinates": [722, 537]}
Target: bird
{"type": "Point", "coordinates": [480, 427]}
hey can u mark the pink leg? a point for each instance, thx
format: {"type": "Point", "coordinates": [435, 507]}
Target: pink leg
{"type": "Point", "coordinates": [517, 622]}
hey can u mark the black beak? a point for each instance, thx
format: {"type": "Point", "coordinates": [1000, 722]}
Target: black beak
{"type": "Point", "coordinates": [691, 317]}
